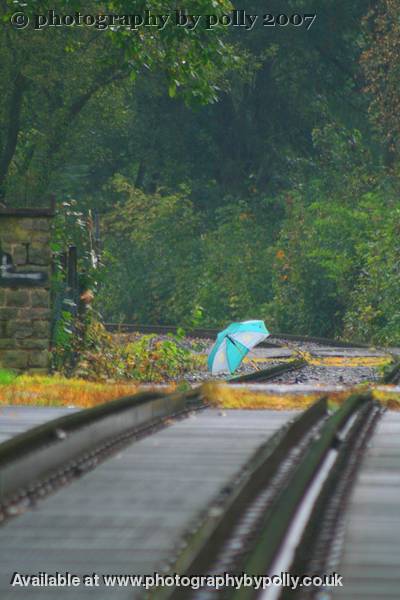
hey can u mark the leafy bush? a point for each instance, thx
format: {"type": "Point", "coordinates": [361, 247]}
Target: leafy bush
{"type": "Point", "coordinates": [170, 266]}
{"type": "Point", "coordinates": [101, 357]}
{"type": "Point", "coordinates": [153, 240]}
{"type": "Point", "coordinates": [374, 312]}
{"type": "Point", "coordinates": [320, 258]}
{"type": "Point", "coordinates": [316, 265]}
{"type": "Point", "coordinates": [7, 377]}
{"type": "Point", "coordinates": [236, 265]}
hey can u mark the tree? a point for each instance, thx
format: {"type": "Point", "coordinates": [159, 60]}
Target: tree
{"type": "Point", "coordinates": [74, 65]}
{"type": "Point", "coordinates": [381, 64]}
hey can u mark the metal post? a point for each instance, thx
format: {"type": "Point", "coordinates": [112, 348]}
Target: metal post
{"type": "Point", "coordinates": [72, 272]}
{"type": "Point", "coordinates": [97, 237]}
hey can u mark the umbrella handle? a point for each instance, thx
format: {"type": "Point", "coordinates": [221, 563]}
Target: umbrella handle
{"type": "Point", "coordinates": [253, 364]}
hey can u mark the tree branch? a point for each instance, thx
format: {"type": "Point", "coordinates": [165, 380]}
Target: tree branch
{"type": "Point", "coordinates": [14, 116]}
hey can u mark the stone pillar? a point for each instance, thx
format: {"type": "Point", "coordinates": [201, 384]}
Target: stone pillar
{"type": "Point", "coordinates": [25, 269]}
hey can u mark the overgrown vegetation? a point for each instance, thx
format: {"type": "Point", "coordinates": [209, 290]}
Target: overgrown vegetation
{"type": "Point", "coordinates": [97, 355]}
{"type": "Point", "coordinates": [6, 376]}
{"type": "Point", "coordinates": [60, 391]}
{"type": "Point", "coordinates": [227, 397]}
{"type": "Point", "coordinates": [262, 186]}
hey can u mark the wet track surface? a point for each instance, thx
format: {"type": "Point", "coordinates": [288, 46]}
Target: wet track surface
{"type": "Point", "coordinates": [16, 419]}
{"type": "Point", "coordinates": [134, 512]}
{"type": "Point", "coordinates": [369, 558]}
{"type": "Point", "coordinates": [130, 514]}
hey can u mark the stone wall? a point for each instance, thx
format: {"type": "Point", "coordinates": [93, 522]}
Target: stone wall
{"type": "Point", "coordinates": [25, 315]}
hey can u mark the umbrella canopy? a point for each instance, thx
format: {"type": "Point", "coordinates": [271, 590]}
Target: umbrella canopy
{"type": "Point", "coordinates": [233, 343]}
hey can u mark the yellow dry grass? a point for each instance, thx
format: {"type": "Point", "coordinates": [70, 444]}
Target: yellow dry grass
{"type": "Point", "coordinates": [225, 396]}
{"type": "Point", "coordinates": [320, 361]}
{"type": "Point", "coordinates": [59, 391]}
{"type": "Point", "coordinates": [388, 396]}
{"type": "Point", "coordinates": [350, 361]}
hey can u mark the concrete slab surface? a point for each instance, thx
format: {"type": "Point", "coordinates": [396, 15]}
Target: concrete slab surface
{"type": "Point", "coordinates": [130, 515]}
{"type": "Point", "coordinates": [16, 419]}
{"type": "Point", "coordinates": [370, 558]}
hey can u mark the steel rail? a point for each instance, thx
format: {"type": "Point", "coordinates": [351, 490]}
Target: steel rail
{"type": "Point", "coordinates": [308, 440]}
{"type": "Point", "coordinates": [319, 340]}
{"type": "Point", "coordinates": [269, 372]}
{"type": "Point", "coordinates": [392, 376]}
{"type": "Point", "coordinates": [212, 333]}
{"type": "Point", "coordinates": [44, 451]}
{"type": "Point", "coordinates": [277, 522]}
{"type": "Point", "coordinates": [202, 333]}
{"type": "Point", "coordinates": [320, 545]}
{"type": "Point", "coordinates": [209, 538]}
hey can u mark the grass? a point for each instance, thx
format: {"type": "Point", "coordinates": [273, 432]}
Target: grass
{"type": "Point", "coordinates": [350, 361]}
{"type": "Point", "coordinates": [7, 377]}
{"type": "Point", "coordinates": [389, 397]}
{"type": "Point", "coordinates": [325, 361]}
{"type": "Point", "coordinates": [225, 396]}
{"type": "Point", "coordinates": [60, 391]}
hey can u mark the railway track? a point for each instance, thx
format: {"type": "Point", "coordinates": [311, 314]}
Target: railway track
{"type": "Point", "coordinates": [392, 376]}
{"type": "Point", "coordinates": [131, 512]}
{"type": "Point", "coordinates": [291, 358]}
{"type": "Point", "coordinates": [291, 499]}
{"type": "Point", "coordinates": [269, 373]}
{"type": "Point", "coordinates": [164, 483]}
{"type": "Point", "coordinates": [209, 333]}
{"type": "Point", "coordinates": [266, 518]}
{"type": "Point", "coordinates": [17, 419]}
{"type": "Point", "coordinates": [46, 457]}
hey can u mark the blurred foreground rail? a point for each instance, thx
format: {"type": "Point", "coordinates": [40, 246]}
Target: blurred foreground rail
{"type": "Point", "coordinates": [165, 483]}
{"type": "Point", "coordinates": [17, 419]}
{"type": "Point", "coordinates": [295, 491]}
{"type": "Point", "coordinates": [368, 541]}
{"type": "Point", "coordinates": [162, 483]}
{"type": "Point", "coordinates": [133, 512]}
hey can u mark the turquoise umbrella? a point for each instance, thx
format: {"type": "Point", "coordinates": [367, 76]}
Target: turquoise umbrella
{"type": "Point", "coordinates": [233, 343]}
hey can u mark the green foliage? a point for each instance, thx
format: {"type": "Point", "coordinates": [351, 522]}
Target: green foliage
{"type": "Point", "coordinates": [168, 266]}
{"type": "Point", "coordinates": [154, 360]}
{"type": "Point", "coordinates": [7, 377]}
{"type": "Point", "coordinates": [316, 263]}
{"type": "Point", "coordinates": [380, 62]}
{"type": "Point", "coordinates": [320, 252]}
{"type": "Point", "coordinates": [101, 357]}
{"type": "Point", "coordinates": [235, 271]}
{"type": "Point", "coordinates": [229, 187]}
{"type": "Point", "coordinates": [374, 313]}
{"type": "Point", "coordinates": [46, 105]}
{"type": "Point", "coordinates": [153, 240]}
{"type": "Point", "coordinates": [64, 344]}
